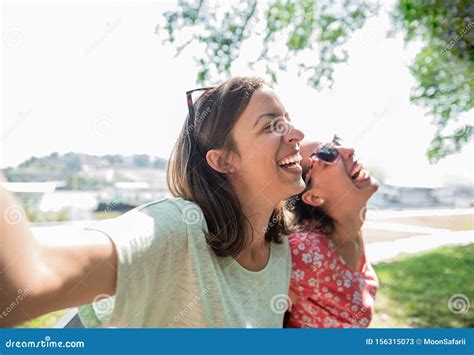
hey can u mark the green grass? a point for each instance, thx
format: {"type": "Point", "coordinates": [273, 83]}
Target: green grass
{"type": "Point", "coordinates": [414, 290]}
{"type": "Point", "coordinates": [105, 215]}
{"type": "Point", "coordinates": [45, 321]}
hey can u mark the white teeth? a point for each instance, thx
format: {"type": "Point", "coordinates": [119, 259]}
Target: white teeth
{"type": "Point", "coordinates": [362, 175]}
{"type": "Point", "coordinates": [293, 159]}
{"type": "Point", "coordinates": [358, 167]}
{"type": "Point", "coordinates": [366, 174]}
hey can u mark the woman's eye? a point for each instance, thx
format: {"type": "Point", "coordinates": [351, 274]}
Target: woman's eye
{"type": "Point", "coordinates": [267, 128]}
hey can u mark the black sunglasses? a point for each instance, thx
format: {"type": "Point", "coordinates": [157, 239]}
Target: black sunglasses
{"type": "Point", "coordinates": [189, 98]}
{"type": "Point", "coordinates": [326, 153]}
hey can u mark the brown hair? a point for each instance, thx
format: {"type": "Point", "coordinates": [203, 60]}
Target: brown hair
{"type": "Point", "coordinates": [190, 177]}
{"type": "Point", "coordinates": [303, 213]}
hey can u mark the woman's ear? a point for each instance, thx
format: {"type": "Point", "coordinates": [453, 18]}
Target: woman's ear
{"type": "Point", "coordinates": [312, 199]}
{"type": "Point", "coordinates": [218, 161]}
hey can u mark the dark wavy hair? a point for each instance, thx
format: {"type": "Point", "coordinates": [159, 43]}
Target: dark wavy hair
{"type": "Point", "coordinates": [190, 177]}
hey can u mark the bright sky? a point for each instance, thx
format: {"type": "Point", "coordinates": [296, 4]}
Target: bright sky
{"type": "Point", "coordinates": [95, 78]}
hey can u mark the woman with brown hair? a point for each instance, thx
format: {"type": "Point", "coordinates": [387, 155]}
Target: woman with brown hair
{"type": "Point", "coordinates": [332, 283]}
{"type": "Point", "coordinates": [206, 258]}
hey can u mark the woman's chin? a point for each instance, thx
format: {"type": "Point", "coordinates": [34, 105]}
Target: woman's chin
{"type": "Point", "coordinates": [291, 185]}
{"type": "Point", "coordinates": [367, 183]}
{"type": "Point", "coordinates": [297, 187]}
{"type": "Point", "coordinates": [371, 188]}
{"type": "Point", "coordinates": [374, 184]}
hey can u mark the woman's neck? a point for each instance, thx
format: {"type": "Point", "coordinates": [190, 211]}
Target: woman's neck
{"type": "Point", "coordinates": [346, 229]}
{"type": "Point", "coordinates": [258, 221]}
{"type": "Point", "coordinates": [255, 253]}
{"type": "Point", "coordinates": [347, 238]}
{"type": "Point", "coordinates": [347, 221]}
{"type": "Point", "coordinates": [258, 210]}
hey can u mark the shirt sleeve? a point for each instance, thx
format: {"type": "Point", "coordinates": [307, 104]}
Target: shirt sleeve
{"type": "Point", "coordinates": [147, 241]}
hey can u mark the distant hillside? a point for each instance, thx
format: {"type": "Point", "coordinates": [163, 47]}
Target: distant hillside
{"type": "Point", "coordinates": [82, 171]}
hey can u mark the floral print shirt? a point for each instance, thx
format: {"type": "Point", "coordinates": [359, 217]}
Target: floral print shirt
{"type": "Point", "coordinates": [329, 294]}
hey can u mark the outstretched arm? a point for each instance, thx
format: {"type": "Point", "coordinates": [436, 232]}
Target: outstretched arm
{"type": "Point", "coordinates": [50, 273]}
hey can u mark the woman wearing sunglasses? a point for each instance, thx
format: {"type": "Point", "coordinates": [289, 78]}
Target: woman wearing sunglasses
{"type": "Point", "coordinates": [206, 258]}
{"type": "Point", "coordinates": [332, 283]}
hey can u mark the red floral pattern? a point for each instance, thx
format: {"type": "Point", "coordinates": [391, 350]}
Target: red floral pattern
{"type": "Point", "coordinates": [329, 293]}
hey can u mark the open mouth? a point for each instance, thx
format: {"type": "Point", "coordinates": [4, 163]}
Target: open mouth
{"type": "Point", "coordinates": [291, 163]}
{"type": "Point", "coordinates": [358, 173]}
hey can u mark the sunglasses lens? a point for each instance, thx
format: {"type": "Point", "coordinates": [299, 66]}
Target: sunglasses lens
{"type": "Point", "coordinates": [327, 154]}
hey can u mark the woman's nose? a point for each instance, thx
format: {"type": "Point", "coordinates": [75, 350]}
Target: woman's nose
{"type": "Point", "coordinates": [346, 152]}
{"type": "Point", "coordinates": [293, 136]}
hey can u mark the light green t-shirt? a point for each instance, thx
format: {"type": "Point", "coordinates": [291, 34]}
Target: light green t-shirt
{"type": "Point", "coordinates": [169, 277]}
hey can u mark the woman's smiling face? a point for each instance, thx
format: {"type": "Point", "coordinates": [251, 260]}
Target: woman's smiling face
{"type": "Point", "coordinates": [268, 161]}
{"type": "Point", "coordinates": [343, 185]}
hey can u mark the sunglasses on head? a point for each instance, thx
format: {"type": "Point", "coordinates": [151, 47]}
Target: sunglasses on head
{"type": "Point", "coordinates": [326, 153]}
{"type": "Point", "coordinates": [189, 99]}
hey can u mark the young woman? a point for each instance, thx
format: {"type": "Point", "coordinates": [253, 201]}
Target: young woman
{"type": "Point", "coordinates": [332, 283]}
{"type": "Point", "coordinates": [206, 258]}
